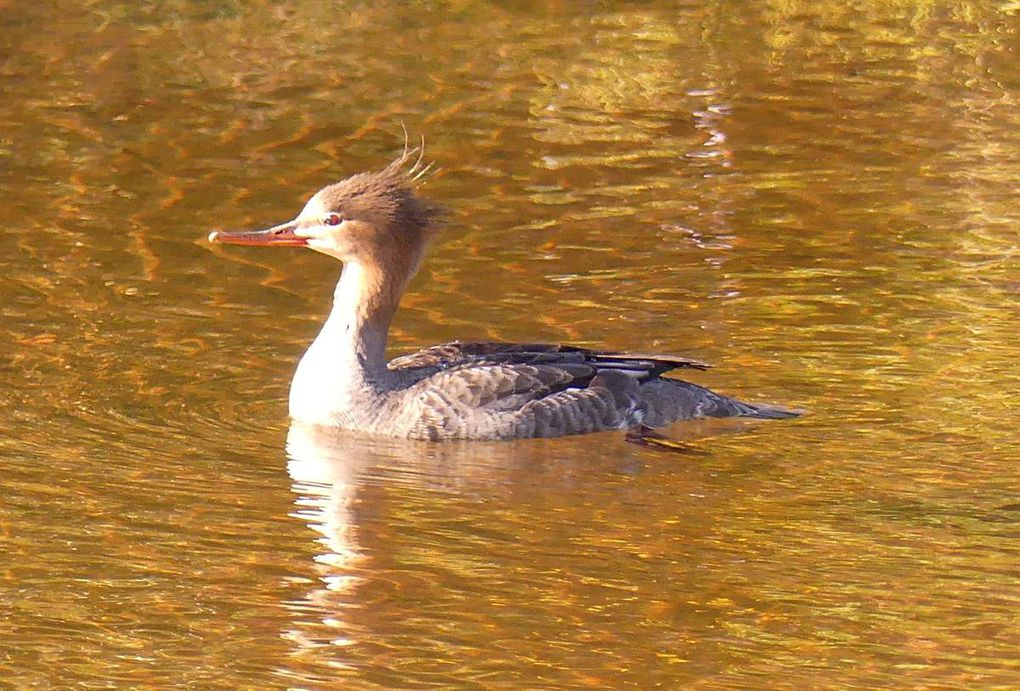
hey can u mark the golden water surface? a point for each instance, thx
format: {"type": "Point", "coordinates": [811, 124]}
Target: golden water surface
{"type": "Point", "coordinates": [820, 197]}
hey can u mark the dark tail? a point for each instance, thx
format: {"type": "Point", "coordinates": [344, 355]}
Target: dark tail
{"type": "Point", "coordinates": [708, 403]}
{"type": "Point", "coordinates": [764, 411]}
{"type": "Point", "coordinates": [670, 400]}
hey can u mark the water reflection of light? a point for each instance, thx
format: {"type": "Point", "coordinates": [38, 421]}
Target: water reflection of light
{"type": "Point", "coordinates": [711, 120]}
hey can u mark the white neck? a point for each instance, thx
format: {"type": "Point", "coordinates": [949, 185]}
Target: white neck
{"type": "Point", "coordinates": [344, 369]}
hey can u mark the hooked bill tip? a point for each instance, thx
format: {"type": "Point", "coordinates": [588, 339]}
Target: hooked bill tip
{"type": "Point", "coordinates": [214, 236]}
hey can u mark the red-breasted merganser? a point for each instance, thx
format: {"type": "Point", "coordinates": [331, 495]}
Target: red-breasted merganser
{"type": "Point", "coordinates": [379, 228]}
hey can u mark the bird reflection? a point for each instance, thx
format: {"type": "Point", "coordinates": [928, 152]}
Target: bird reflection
{"type": "Point", "coordinates": [331, 472]}
{"type": "Point", "coordinates": [344, 483]}
{"type": "Point", "coordinates": [324, 470]}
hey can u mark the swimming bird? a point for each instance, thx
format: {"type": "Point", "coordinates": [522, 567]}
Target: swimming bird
{"type": "Point", "coordinates": [378, 226]}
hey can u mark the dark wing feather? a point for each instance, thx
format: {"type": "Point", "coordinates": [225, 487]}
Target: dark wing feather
{"type": "Point", "coordinates": [651, 365]}
{"type": "Point", "coordinates": [458, 354]}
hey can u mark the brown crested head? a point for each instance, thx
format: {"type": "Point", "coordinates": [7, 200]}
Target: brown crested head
{"type": "Point", "coordinates": [384, 198]}
{"type": "Point", "coordinates": [371, 217]}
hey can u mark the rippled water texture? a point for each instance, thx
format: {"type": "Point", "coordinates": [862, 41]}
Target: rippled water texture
{"type": "Point", "coordinates": [820, 198]}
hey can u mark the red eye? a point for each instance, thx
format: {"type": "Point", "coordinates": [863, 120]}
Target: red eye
{"type": "Point", "coordinates": [333, 219]}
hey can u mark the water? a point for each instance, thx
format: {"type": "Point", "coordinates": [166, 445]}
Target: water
{"type": "Point", "coordinates": [818, 198]}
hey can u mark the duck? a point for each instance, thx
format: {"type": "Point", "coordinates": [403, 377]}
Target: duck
{"type": "Point", "coordinates": [379, 227]}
